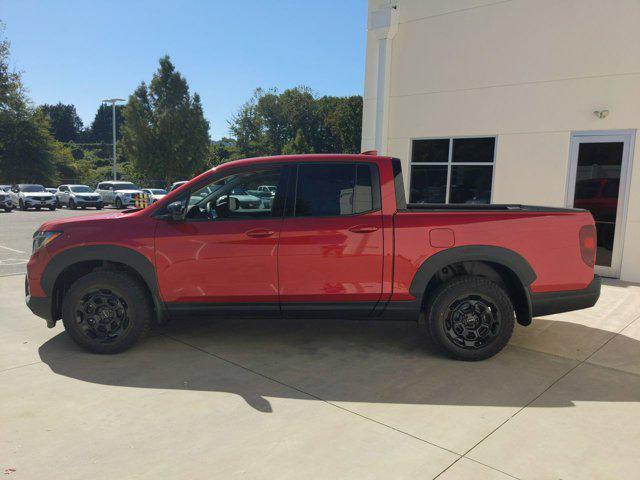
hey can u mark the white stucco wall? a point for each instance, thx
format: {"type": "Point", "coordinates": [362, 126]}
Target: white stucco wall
{"type": "Point", "coordinates": [529, 71]}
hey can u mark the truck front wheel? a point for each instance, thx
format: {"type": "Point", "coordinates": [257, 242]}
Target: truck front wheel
{"type": "Point", "coordinates": [106, 311]}
{"type": "Point", "coordinates": [470, 318]}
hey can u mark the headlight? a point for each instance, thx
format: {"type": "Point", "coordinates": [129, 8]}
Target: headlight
{"type": "Point", "coordinates": [42, 239]}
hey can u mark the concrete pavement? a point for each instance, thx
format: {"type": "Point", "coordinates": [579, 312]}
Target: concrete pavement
{"type": "Point", "coordinates": [309, 399]}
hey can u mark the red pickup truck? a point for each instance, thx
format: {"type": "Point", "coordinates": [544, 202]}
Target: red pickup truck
{"type": "Point", "coordinates": [332, 237]}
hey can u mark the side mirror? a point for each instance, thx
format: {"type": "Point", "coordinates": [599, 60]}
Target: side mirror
{"type": "Point", "coordinates": [234, 204]}
{"type": "Point", "coordinates": [176, 211]}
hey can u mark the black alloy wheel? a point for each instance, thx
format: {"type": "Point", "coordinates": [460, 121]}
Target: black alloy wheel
{"type": "Point", "coordinates": [473, 322]}
{"type": "Point", "coordinates": [102, 315]}
{"type": "Point", "coordinates": [470, 318]}
{"type": "Point", "coordinates": [107, 311]}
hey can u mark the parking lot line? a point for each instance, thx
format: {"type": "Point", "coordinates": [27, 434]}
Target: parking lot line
{"type": "Point", "coordinates": [12, 249]}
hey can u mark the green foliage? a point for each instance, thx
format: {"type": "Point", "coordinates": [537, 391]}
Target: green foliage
{"type": "Point", "coordinates": [165, 134]}
{"type": "Point", "coordinates": [102, 126]}
{"type": "Point", "coordinates": [224, 150]}
{"type": "Point", "coordinates": [28, 151]}
{"type": "Point", "coordinates": [65, 124]}
{"type": "Point", "coordinates": [296, 121]}
{"type": "Point", "coordinates": [298, 145]}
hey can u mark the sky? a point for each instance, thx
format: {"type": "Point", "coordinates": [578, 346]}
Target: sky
{"type": "Point", "coordinates": [81, 52]}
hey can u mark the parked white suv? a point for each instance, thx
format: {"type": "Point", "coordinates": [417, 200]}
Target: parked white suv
{"type": "Point", "coordinates": [120, 194]}
{"type": "Point", "coordinates": [154, 194]}
{"type": "Point", "coordinates": [74, 196]}
{"type": "Point", "coordinates": [33, 196]}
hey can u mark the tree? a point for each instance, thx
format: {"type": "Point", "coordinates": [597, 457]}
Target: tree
{"type": "Point", "coordinates": [28, 151]}
{"type": "Point", "coordinates": [101, 129]}
{"type": "Point", "coordinates": [165, 134]}
{"type": "Point", "coordinates": [295, 121]}
{"type": "Point", "coordinates": [298, 145]}
{"type": "Point", "coordinates": [65, 124]}
{"type": "Point", "coordinates": [247, 127]}
{"type": "Point", "coordinates": [343, 120]}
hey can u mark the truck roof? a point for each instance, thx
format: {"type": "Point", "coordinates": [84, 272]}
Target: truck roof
{"type": "Point", "coordinates": [313, 157]}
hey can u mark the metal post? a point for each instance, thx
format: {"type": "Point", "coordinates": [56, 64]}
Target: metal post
{"type": "Point", "coordinates": [113, 105]}
{"type": "Point", "coordinates": [113, 101]}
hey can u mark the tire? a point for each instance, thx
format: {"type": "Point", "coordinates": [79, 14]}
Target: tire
{"type": "Point", "coordinates": [470, 318]}
{"type": "Point", "coordinates": [8, 209]}
{"type": "Point", "coordinates": [118, 203]}
{"type": "Point", "coordinates": [23, 207]}
{"type": "Point", "coordinates": [38, 207]}
{"type": "Point", "coordinates": [98, 207]}
{"type": "Point", "coordinates": [72, 205]}
{"type": "Point", "coordinates": [110, 296]}
{"type": "Point", "coordinates": [83, 207]}
{"type": "Point", "coordinates": [52, 208]}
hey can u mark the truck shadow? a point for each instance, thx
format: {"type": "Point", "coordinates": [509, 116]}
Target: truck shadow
{"type": "Point", "coordinates": [338, 361]}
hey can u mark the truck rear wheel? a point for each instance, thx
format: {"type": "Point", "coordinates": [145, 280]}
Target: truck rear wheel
{"type": "Point", "coordinates": [470, 318]}
{"type": "Point", "coordinates": [106, 311]}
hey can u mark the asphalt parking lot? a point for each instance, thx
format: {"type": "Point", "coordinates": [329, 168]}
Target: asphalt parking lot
{"type": "Point", "coordinates": [304, 399]}
{"type": "Point", "coordinates": [16, 229]}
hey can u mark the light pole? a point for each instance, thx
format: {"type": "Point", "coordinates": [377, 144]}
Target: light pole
{"type": "Point", "coordinates": [113, 101]}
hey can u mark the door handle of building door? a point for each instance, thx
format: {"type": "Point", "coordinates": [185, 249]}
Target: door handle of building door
{"type": "Point", "coordinates": [363, 229]}
{"type": "Point", "coordinates": [260, 233]}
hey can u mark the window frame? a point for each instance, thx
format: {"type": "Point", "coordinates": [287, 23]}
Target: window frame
{"type": "Point", "coordinates": [450, 163]}
{"type": "Point", "coordinates": [292, 194]}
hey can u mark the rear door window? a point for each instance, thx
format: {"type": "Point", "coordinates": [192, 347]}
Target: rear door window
{"type": "Point", "coordinates": [327, 190]}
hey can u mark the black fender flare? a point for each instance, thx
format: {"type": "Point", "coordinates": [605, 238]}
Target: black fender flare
{"type": "Point", "coordinates": [105, 253]}
{"type": "Point", "coordinates": [504, 257]}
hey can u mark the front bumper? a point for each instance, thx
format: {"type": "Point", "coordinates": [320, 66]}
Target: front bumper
{"type": "Point", "coordinates": [87, 203]}
{"type": "Point", "coordinates": [549, 303]}
{"type": "Point", "coordinates": [30, 202]}
{"type": "Point", "coordinates": [40, 306]}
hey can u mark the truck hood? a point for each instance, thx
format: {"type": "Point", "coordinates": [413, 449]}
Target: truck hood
{"type": "Point", "coordinates": [86, 194]}
{"type": "Point", "coordinates": [130, 192]}
{"type": "Point", "coordinates": [245, 198]}
{"type": "Point", "coordinates": [83, 220]}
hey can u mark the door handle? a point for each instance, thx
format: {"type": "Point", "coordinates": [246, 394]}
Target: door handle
{"type": "Point", "coordinates": [259, 233]}
{"type": "Point", "coordinates": [363, 229]}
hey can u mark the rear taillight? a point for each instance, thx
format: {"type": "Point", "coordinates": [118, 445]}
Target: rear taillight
{"type": "Point", "coordinates": [588, 245]}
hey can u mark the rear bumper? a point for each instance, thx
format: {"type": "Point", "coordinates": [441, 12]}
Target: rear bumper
{"type": "Point", "coordinates": [567, 301]}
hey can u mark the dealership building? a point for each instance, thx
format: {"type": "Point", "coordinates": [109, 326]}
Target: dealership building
{"type": "Point", "coordinates": [513, 101]}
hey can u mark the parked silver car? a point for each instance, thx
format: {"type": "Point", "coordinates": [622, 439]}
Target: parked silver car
{"type": "Point", "coordinates": [6, 198]}
{"type": "Point", "coordinates": [74, 196]}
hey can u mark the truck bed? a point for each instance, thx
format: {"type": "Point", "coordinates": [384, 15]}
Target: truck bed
{"type": "Point", "coordinates": [474, 207]}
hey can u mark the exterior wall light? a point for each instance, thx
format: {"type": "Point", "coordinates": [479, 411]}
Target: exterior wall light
{"type": "Point", "coordinates": [601, 113]}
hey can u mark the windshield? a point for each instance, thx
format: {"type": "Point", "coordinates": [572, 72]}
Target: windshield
{"type": "Point", "coordinates": [31, 188]}
{"type": "Point", "coordinates": [125, 186]}
{"type": "Point", "coordinates": [158, 191]}
{"type": "Point", "coordinates": [81, 189]}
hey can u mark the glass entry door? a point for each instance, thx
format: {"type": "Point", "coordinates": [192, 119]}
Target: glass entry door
{"type": "Point", "coordinates": [598, 183]}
